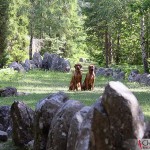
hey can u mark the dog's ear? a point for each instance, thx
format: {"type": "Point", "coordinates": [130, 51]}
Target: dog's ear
{"type": "Point", "coordinates": [75, 65]}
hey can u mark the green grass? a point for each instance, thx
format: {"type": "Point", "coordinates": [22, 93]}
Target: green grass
{"type": "Point", "coordinates": [40, 83]}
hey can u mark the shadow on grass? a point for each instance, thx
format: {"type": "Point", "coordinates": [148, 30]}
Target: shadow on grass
{"type": "Point", "coordinates": [87, 97]}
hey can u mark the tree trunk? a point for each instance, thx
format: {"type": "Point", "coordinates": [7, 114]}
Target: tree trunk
{"type": "Point", "coordinates": [31, 41]}
{"type": "Point", "coordinates": [147, 35]}
{"type": "Point", "coordinates": [144, 55]}
{"type": "Point", "coordinates": [106, 47]}
{"type": "Point", "coordinates": [109, 49]}
{"type": "Point", "coordinates": [118, 50]}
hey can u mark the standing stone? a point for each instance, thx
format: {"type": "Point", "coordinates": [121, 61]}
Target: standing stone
{"type": "Point", "coordinates": [114, 122]}
{"type": "Point", "coordinates": [45, 61]}
{"type": "Point", "coordinates": [37, 58]}
{"type": "Point", "coordinates": [75, 127]}
{"type": "Point", "coordinates": [84, 135]}
{"type": "Point", "coordinates": [57, 138]}
{"type": "Point", "coordinates": [121, 121]}
{"type": "Point", "coordinates": [5, 119]}
{"type": "Point", "coordinates": [22, 123]}
{"type": "Point", "coordinates": [44, 113]}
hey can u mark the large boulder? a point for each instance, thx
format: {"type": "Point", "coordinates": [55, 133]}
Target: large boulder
{"type": "Point", "coordinates": [44, 113]}
{"type": "Point", "coordinates": [8, 91]}
{"type": "Point", "coordinates": [118, 74]}
{"type": "Point", "coordinates": [5, 119]}
{"type": "Point", "coordinates": [75, 127]}
{"type": "Point", "coordinates": [145, 79]}
{"type": "Point", "coordinates": [107, 72]}
{"type": "Point", "coordinates": [37, 58]}
{"type": "Point", "coordinates": [17, 66]}
{"type": "Point", "coordinates": [30, 64]}
{"type": "Point", "coordinates": [121, 120]}
{"type": "Point", "coordinates": [134, 76]}
{"type": "Point", "coordinates": [140, 78]}
{"type": "Point", "coordinates": [115, 122]}
{"type": "Point", "coordinates": [45, 61]}
{"type": "Point", "coordinates": [55, 62]}
{"type": "Point", "coordinates": [57, 138]}
{"type": "Point", "coordinates": [3, 136]}
{"type": "Point", "coordinates": [22, 123]}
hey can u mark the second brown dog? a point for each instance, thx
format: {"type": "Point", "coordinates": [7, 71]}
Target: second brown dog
{"type": "Point", "coordinates": [88, 83]}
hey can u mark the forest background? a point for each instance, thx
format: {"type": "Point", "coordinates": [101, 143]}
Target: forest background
{"type": "Point", "coordinates": [107, 32]}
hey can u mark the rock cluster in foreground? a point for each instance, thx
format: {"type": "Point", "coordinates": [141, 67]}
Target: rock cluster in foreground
{"type": "Point", "coordinates": [114, 122]}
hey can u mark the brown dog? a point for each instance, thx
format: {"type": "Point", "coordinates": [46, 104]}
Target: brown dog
{"type": "Point", "coordinates": [88, 83]}
{"type": "Point", "coordinates": [76, 81]}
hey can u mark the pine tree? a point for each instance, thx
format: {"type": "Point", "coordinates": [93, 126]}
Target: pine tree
{"type": "Point", "coordinates": [4, 6]}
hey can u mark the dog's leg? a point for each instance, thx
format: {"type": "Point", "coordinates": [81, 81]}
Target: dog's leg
{"type": "Point", "coordinates": [86, 83]}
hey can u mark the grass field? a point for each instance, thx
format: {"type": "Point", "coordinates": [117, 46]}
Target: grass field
{"type": "Point", "coordinates": [40, 83]}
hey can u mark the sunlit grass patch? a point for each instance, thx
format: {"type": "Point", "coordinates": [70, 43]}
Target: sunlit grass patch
{"type": "Point", "coordinates": [38, 84]}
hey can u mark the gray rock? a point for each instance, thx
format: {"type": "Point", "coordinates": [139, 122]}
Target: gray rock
{"type": "Point", "coordinates": [29, 146]}
{"type": "Point", "coordinates": [22, 123]}
{"type": "Point", "coordinates": [100, 71]}
{"type": "Point", "coordinates": [45, 61]}
{"type": "Point", "coordinates": [75, 127]}
{"type": "Point", "coordinates": [84, 135]}
{"type": "Point", "coordinates": [8, 91]}
{"type": "Point", "coordinates": [27, 65]}
{"type": "Point", "coordinates": [122, 117]}
{"type": "Point", "coordinates": [133, 76]}
{"type": "Point", "coordinates": [118, 75]}
{"type": "Point", "coordinates": [147, 131]}
{"type": "Point", "coordinates": [5, 119]}
{"type": "Point", "coordinates": [57, 138]}
{"type": "Point", "coordinates": [55, 62]}
{"type": "Point", "coordinates": [66, 67]}
{"type": "Point", "coordinates": [17, 66]}
{"type": "Point", "coordinates": [84, 60]}
{"type": "Point", "coordinates": [81, 60]}
{"type": "Point", "coordinates": [107, 72]}
{"type": "Point", "coordinates": [145, 78]}
{"type": "Point", "coordinates": [44, 113]}
{"type": "Point", "coordinates": [37, 58]}
{"type": "Point", "coordinates": [3, 136]}
{"type": "Point", "coordinates": [114, 122]}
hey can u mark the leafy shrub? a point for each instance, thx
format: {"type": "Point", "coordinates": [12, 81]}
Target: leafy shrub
{"type": "Point", "coordinates": [8, 74]}
{"type": "Point", "coordinates": [17, 55]}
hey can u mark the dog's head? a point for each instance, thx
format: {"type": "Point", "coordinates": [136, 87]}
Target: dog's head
{"type": "Point", "coordinates": [91, 68]}
{"type": "Point", "coordinates": [78, 67]}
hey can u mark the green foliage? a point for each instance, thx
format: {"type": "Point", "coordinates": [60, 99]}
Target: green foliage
{"type": "Point", "coordinates": [75, 29]}
{"type": "Point", "coordinates": [53, 45]}
{"type": "Point", "coordinates": [59, 24]}
{"type": "Point", "coordinates": [8, 74]}
{"type": "Point", "coordinates": [17, 55]}
{"type": "Point", "coordinates": [122, 25]}
{"type": "Point", "coordinates": [4, 6]}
